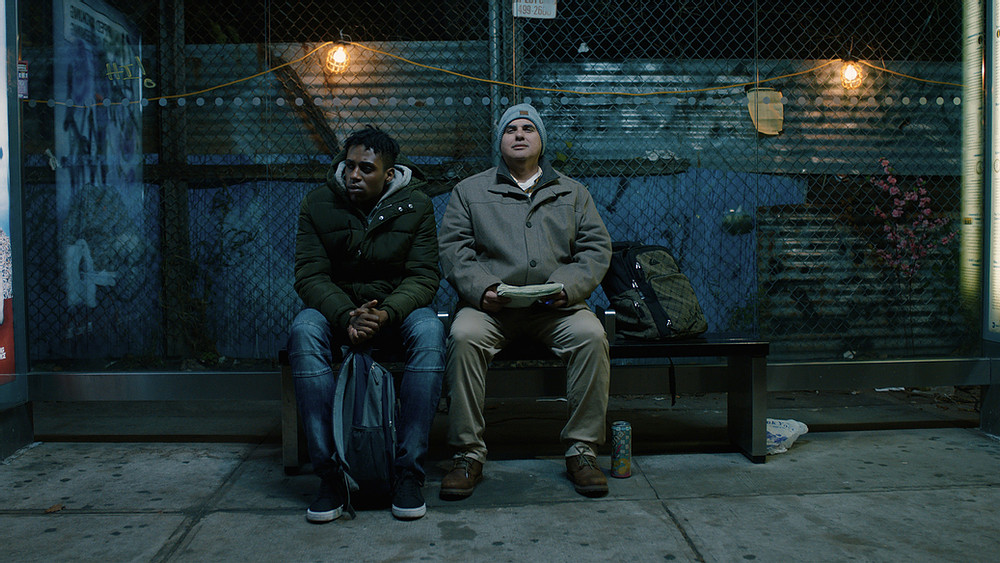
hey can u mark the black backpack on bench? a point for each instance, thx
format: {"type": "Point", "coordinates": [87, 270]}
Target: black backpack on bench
{"type": "Point", "coordinates": [652, 299]}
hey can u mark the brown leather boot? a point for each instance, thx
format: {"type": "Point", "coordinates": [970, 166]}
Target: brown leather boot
{"type": "Point", "coordinates": [459, 483]}
{"type": "Point", "coordinates": [586, 475]}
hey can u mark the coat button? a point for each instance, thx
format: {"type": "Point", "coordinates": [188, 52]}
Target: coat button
{"type": "Point", "coordinates": [528, 224]}
{"type": "Point", "coordinates": [381, 217]}
{"type": "Point", "coordinates": [400, 208]}
{"type": "Point", "coordinates": [532, 263]}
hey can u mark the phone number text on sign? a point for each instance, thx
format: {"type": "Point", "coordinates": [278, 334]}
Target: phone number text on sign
{"type": "Point", "coordinates": [544, 9]}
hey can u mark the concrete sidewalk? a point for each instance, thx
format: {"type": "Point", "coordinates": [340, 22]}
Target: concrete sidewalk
{"type": "Point", "coordinates": [919, 494]}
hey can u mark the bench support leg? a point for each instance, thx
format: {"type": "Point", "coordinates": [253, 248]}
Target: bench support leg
{"type": "Point", "coordinates": [747, 406]}
{"type": "Point", "coordinates": [293, 450]}
{"type": "Point", "coordinates": [989, 413]}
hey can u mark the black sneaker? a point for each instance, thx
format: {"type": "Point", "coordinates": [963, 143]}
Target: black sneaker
{"type": "Point", "coordinates": [329, 503]}
{"type": "Point", "coordinates": [407, 502]}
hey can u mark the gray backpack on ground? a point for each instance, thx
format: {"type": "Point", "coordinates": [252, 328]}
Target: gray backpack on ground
{"type": "Point", "coordinates": [364, 425]}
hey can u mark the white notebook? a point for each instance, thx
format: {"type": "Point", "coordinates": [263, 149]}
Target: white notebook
{"type": "Point", "coordinates": [525, 295]}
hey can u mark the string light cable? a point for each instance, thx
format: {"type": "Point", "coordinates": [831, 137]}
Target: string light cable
{"type": "Point", "coordinates": [725, 87]}
{"type": "Point", "coordinates": [187, 94]}
{"type": "Point", "coordinates": [876, 67]}
{"type": "Point", "coordinates": [583, 93]}
{"type": "Point", "coordinates": [502, 83]}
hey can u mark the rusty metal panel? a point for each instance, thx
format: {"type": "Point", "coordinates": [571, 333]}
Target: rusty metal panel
{"type": "Point", "coordinates": [916, 125]}
{"type": "Point", "coordinates": [822, 296]}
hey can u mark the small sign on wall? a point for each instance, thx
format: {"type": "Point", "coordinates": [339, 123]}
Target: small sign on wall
{"type": "Point", "coordinates": [22, 80]}
{"type": "Point", "coordinates": [541, 9]}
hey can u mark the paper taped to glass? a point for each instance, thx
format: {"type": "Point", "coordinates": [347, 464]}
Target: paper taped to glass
{"type": "Point", "coordinates": [766, 110]}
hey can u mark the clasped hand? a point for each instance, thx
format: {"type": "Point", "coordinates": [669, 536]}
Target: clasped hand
{"type": "Point", "coordinates": [365, 322]}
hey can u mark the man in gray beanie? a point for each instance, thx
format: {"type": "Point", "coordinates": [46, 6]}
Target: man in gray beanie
{"type": "Point", "coordinates": [521, 111]}
{"type": "Point", "coordinates": [523, 224]}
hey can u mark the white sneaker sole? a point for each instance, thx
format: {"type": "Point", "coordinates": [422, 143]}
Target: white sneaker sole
{"type": "Point", "coordinates": [409, 513]}
{"type": "Point", "coordinates": [324, 517]}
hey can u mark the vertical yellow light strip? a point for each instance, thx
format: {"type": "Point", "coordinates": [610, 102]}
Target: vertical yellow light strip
{"type": "Point", "coordinates": [993, 296]}
{"type": "Point", "coordinates": [970, 265]}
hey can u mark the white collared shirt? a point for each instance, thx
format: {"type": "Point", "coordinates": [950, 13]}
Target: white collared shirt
{"type": "Point", "coordinates": [530, 182]}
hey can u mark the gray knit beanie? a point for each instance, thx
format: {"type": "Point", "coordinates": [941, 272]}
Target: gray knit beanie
{"type": "Point", "coordinates": [519, 111]}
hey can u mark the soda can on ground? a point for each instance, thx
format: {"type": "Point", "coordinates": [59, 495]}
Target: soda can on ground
{"type": "Point", "coordinates": [621, 449]}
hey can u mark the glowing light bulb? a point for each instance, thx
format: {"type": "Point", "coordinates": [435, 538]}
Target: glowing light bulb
{"type": "Point", "coordinates": [336, 59]}
{"type": "Point", "coordinates": [340, 56]}
{"type": "Point", "coordinates": [850, 75]}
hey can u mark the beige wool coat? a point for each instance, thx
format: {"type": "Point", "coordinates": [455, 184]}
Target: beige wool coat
{"type": "Point", "coordinates": [493, 232]}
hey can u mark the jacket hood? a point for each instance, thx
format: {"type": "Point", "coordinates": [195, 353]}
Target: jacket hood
{"type": "Point", "coordinates": [407, 174]}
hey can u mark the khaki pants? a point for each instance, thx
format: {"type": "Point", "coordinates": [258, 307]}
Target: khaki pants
{"type": "Point", "coordinates": [575, 336]}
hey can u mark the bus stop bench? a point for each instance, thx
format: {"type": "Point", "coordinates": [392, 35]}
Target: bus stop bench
{"type": "Point", "coordinates": [745, 385]}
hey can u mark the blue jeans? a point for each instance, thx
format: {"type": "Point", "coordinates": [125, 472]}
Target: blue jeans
{"type": "Point", "coordinates": [313, 351]}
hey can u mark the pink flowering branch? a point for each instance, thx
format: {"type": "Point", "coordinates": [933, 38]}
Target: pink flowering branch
{"type": "Point", "coordinates": [910, 227]}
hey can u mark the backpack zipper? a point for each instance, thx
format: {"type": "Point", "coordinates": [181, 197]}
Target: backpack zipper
{"type": "Point", "coordinates": [635, 284]}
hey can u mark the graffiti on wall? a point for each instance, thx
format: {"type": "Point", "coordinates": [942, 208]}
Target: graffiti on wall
{"type": "Point", "coordinates": [6, 269]}
{"type": "Point", "coordinates": [98, 73]}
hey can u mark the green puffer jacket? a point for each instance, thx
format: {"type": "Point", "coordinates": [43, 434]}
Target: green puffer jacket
{"type": "Point", "coordinates": [344, 259]}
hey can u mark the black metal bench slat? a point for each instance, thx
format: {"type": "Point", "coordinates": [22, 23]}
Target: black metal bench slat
{"type": "Point", "coordinates": [746, 396]}
{"type": "Point", "coordinates": [704, 346]}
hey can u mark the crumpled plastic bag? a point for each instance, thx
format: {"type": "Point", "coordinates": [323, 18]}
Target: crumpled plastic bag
{"type": "Point", "coordinates": [781, 434]}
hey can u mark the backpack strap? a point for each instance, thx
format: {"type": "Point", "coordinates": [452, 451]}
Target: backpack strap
{"type": "Point", "coordinates": [648, 294]}
{"type": "Point", "coordinates": [660, 317]}
{"type": "Point", "coordinates": [673, 382]}
{"type": "Point", "coordinates": [347, 487]}
{"type": "Point", "coordinates": [344, 408]}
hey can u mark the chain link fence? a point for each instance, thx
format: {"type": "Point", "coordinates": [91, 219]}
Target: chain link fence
{"type": "Point", "coordinates": [168, 145]}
